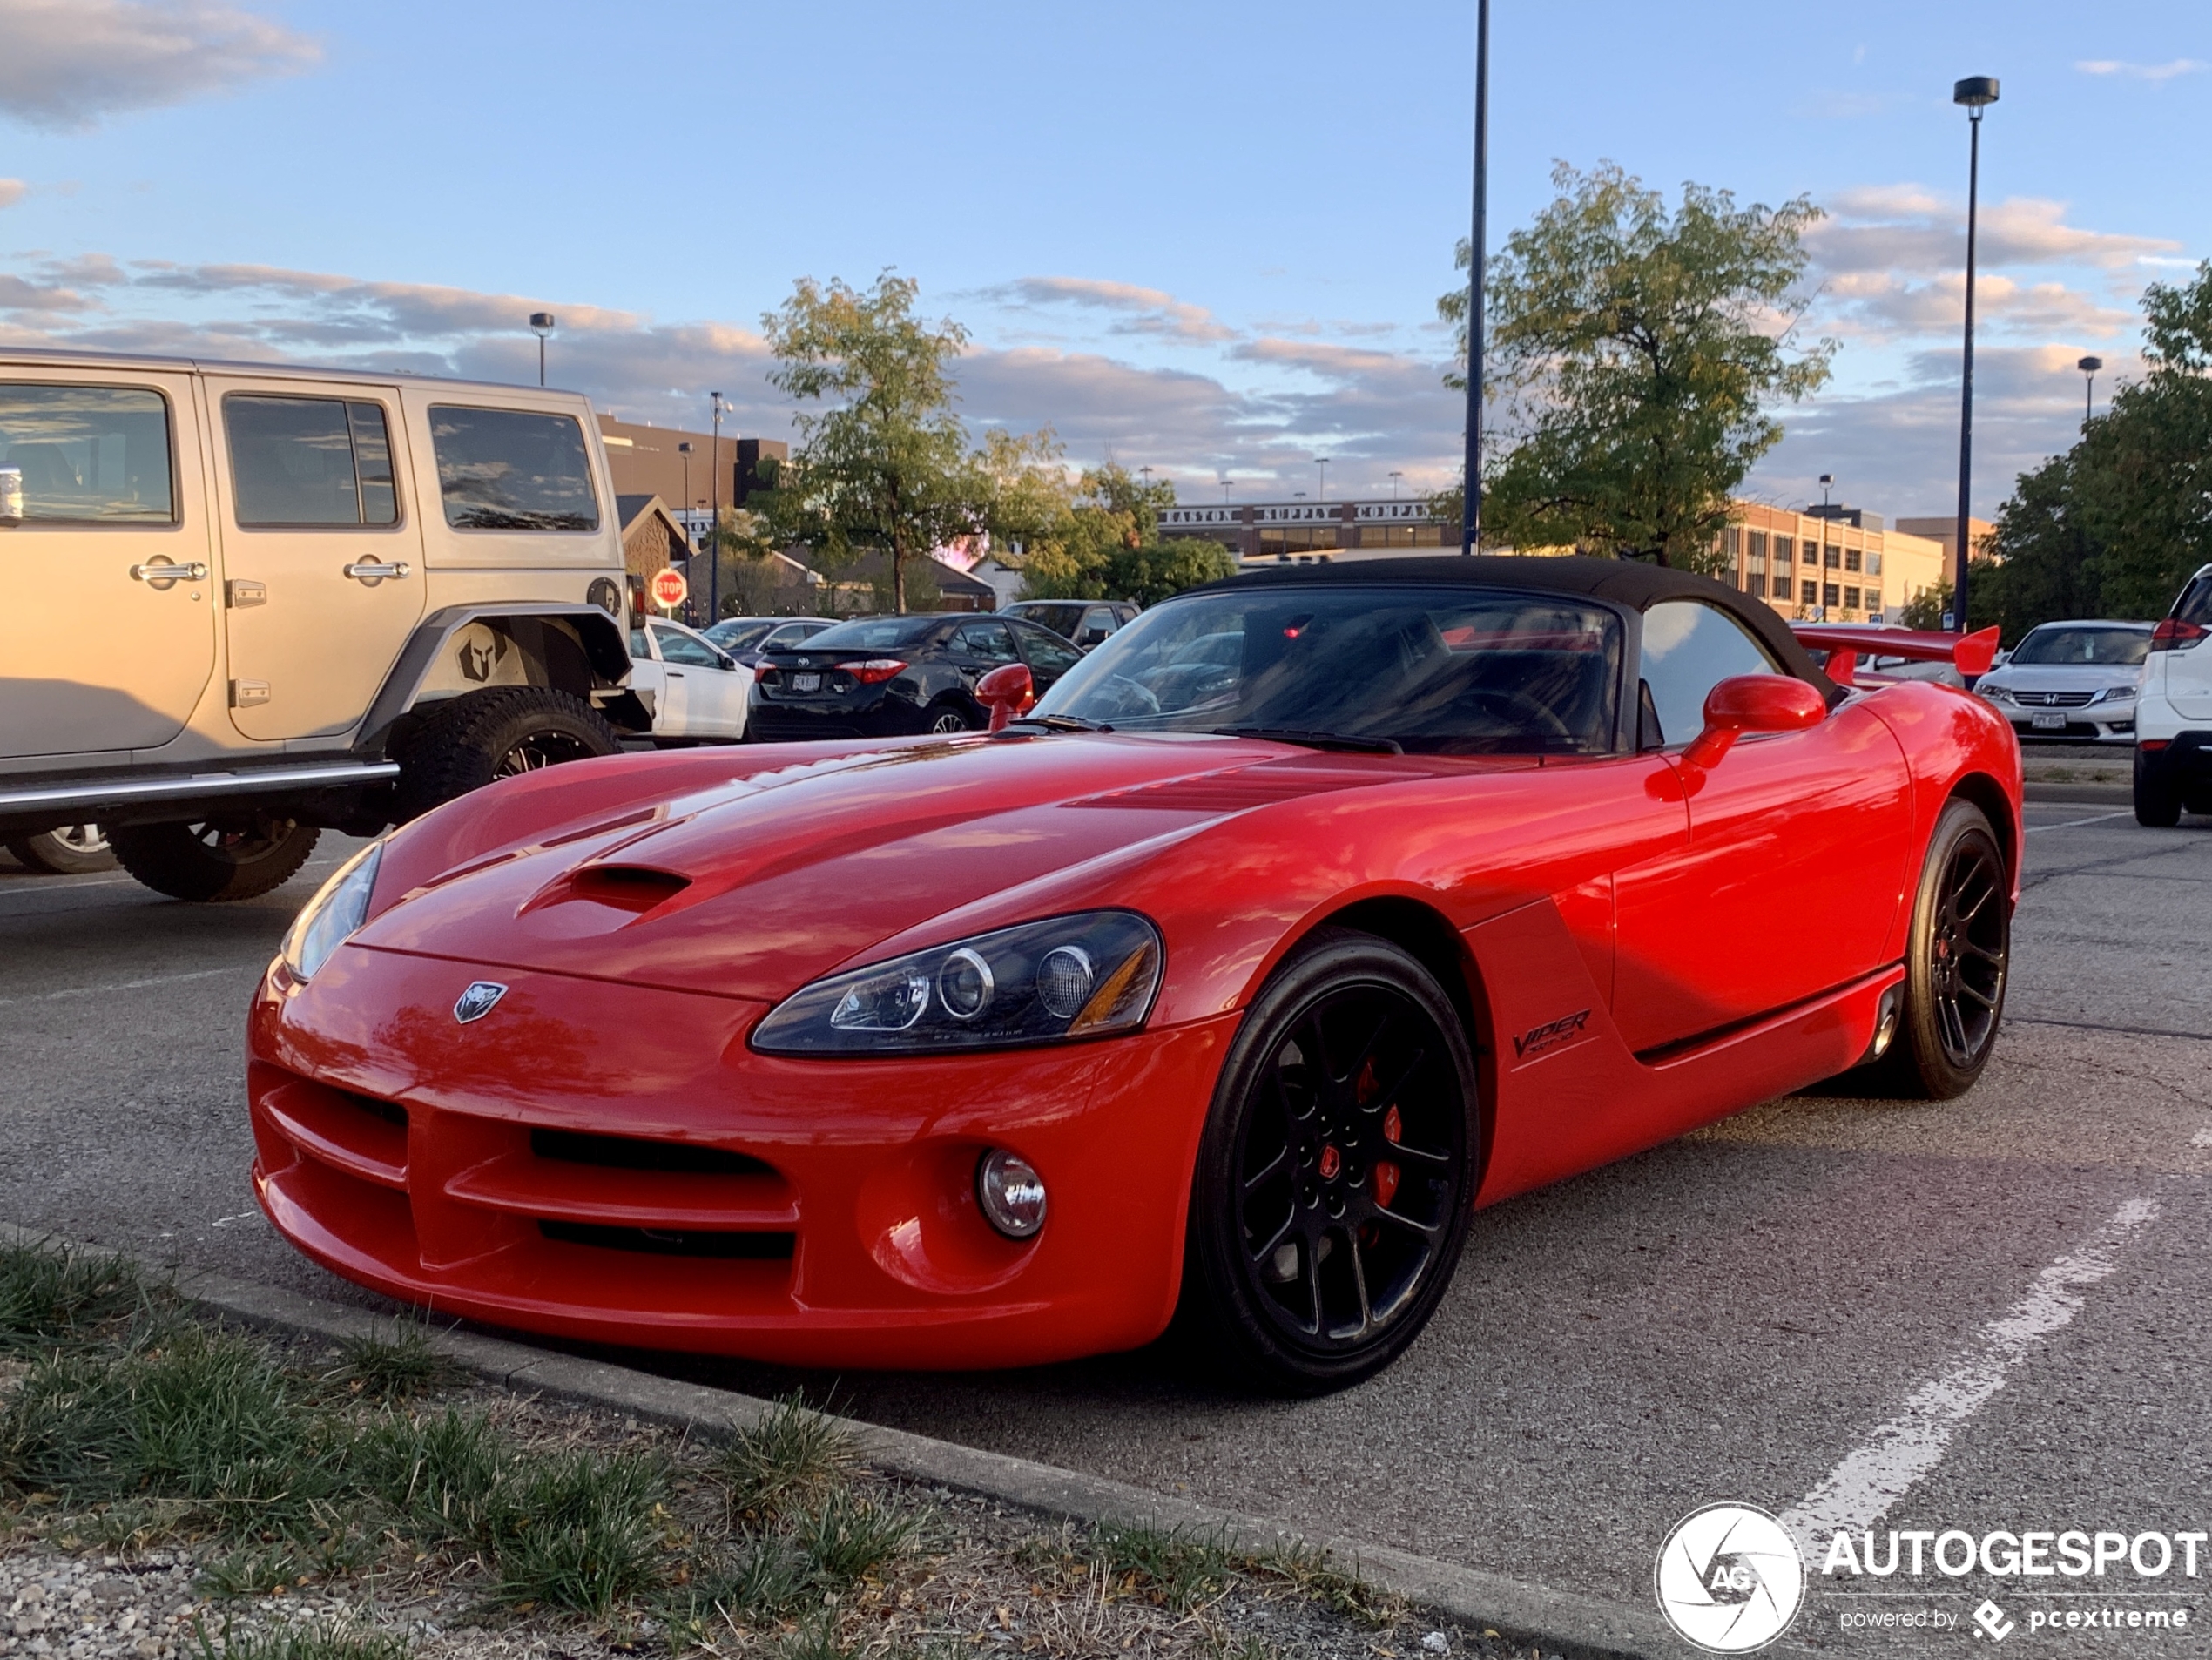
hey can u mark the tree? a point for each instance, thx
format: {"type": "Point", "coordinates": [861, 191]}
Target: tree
{"type": "Point", "coordinates": [884, 465]}
{"type": "Point", "coordinates": [1096, 537]}
{"type": "Point", "coordinates": [1638, 353]}
{"type": "Point", "coordinates": [2115, 525]}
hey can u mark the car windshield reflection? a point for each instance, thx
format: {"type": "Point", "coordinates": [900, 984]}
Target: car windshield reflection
{"type": "Point", "coordinates": [1456, 671]}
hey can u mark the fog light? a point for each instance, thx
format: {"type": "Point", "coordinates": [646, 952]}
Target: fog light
{"type": "Point", "coordinates": [1011, 1193]}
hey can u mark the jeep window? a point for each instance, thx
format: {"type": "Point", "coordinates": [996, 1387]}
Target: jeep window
{"type": "Point", "coordinates": [96, 453]}
{"type": "Point", "coordinates": [508, 470]}
{"type": "Point", "coordinates": [309, 461]}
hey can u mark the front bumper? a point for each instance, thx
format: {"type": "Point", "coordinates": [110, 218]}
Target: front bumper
{"type": "Point", "coordinates": [612, 1163]}
{"type": "Point", "coordinates": [2092, 724]}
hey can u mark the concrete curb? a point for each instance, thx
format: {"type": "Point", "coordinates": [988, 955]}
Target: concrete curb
{"type": "Point", "coordinates": [1560, 1623]}
{"type": "Point", "coordinates": [2116, 795]}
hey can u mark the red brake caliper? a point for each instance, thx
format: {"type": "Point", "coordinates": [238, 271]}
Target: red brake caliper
{"type": "Point", "coordinates": [1386, 1174]}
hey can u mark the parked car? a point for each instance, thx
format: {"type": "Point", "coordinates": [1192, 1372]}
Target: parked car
{"type": "Point", "coordinates": [698, 691]}
{"type": "Point", "coordinates": [1084, 622]}
{"type": "Point", "coordinates": [884, 677]}
{"type": "Point", "coordinates": [2074, 680]}
{"type": "Point", "coordinates": [1456, 878]}
{"type": "Point", "coordinates": [324, 599]}
{"type": "Point", "coordinates": [746, 638]}
{"type": "Point", "coordinates": [2174, 710]}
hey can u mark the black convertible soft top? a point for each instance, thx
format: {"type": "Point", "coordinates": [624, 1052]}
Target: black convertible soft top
{"type": "Point", "coordinates": [1630, 582]}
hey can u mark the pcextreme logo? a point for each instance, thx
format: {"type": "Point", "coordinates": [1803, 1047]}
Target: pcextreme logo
{"type": "Point", "coordinates": [1730, 1579]}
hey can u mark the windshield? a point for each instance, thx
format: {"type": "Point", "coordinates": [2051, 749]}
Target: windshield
{"type": "Point", "coordinates": [2110, 647]}
{"type": "Point", "coordinates": [873, 634]}
{"type": "Point", "coordinates": [739, 636]}
{"type": "Point", "coordinates": [1455, 670]}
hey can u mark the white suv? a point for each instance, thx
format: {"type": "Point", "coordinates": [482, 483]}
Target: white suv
{"type": "Point", "coordinates": [2174, 710]}
{"type": "Point", "coordinates": [240, 603]}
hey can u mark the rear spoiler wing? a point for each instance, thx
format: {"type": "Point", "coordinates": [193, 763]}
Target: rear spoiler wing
{"type": "Point", "coordinates": [1971, 654]}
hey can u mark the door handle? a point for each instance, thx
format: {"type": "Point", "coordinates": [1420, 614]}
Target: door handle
{"type": "Point", "coordinates": [162, 575]}
{"type": "Point", "coordinates": [375, 571]}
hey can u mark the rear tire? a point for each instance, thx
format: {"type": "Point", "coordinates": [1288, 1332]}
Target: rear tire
{"type": "Point", "coordinates": [2156, 803]}
{"type": "Point", "coordinates": [1335, 1176]}
{"type": "Point", "coordinates": [465, 743]}
{"type": "Point", "coordinates": [1957, 962]}
{"type": "Point", "coordinates": [946, 720]}
{"type": "Point", "coordinates": [217, 859]}
{"type": "Point", "coordinates": [73, 850]}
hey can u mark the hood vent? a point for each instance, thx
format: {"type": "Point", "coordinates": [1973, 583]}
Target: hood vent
{"type": "Point", "coordinates": [635, 888]}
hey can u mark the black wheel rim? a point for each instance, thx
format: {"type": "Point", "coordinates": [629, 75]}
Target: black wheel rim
{"type": "Point", "coordinates": [1350, 1155]}
{"type": "Point", "coordinates": [533, 752]}
{"type": "Point", "coordinates": [245, 841]}
{"type": "Point", "coordinates": [1967, 950]}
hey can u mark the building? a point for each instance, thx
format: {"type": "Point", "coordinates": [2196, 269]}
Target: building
{"type": "Point", "coordinates": [1837, 565]}
{"type": "Point", "coordinates": [646, 460]}
{"type": "Point", "coordinates": [1945, 530]}
{"type": "Point", "coordinates": [652, 541]}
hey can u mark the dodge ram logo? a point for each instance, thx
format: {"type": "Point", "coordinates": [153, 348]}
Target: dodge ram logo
{"type": "Point", "coordinates": [478, 1001]}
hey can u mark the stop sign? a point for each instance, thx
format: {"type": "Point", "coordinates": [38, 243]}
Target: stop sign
{"type": "Point", "coordinates": [669, 588]}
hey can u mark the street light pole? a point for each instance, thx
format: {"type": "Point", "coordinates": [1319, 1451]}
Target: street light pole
{"type": "Point", "coordinates": [1471, 512]}
{"type": "Point", "coordinates": [1322, 462]}
{"type": "Point", "coordinates": [1975, 93]}
{"type": "Point", "coordinates": [690, 534]}
{"type": "Point", "coordinates": [2089, 366]}
{"type": "Point", "coordinates": [542, 324]}
{"type": "Point", "coordinates": [1394, 477]}
{"type": "Point", "coordinates": [714, 520]}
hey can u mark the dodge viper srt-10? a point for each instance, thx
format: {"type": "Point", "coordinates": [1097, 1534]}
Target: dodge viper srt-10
{"type": "Point", "coordinates": [1311, 910]}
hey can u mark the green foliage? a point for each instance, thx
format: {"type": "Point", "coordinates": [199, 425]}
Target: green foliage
{"type": "Point", "coordinates": [1183, 1569]}
{"type": "Point", "coordinates": [882, 463]}
{"type": "Point", "coordinates": [1638, 353]}
{"type": "Point", "coordinates": [848, 1535]}
{"type": "Point", "coordinates": [2115, 525]}
{"type": "Point", "coordinates": [321, 1639]}
{"type": "Point", "coordinates": [790, 1457]}
{"type": "Point", "coordinates": [395, 1364]}
{"type": "Point", "coordinates": [49, 1296]}
{"type": "Point", "coordinates": [1096, 537]}
{"type": "Point", "coordinates": [579, 1531]}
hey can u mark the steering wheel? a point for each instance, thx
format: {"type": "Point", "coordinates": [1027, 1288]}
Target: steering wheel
{"type": "Point", "coordinates": [1529, 711]}
{"type": "Point", "coordinates": [1130, 697]}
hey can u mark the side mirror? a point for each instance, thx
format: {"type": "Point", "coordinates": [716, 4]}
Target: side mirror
{"type": "Point", "coordinates": [1007, 691]}
{"type": "Point", "coordinates": [1753, 703]}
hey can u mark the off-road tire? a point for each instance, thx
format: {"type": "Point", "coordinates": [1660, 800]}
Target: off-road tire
{"type": "Point", "coordinates": [1248, 1322]}
{"type": "Point", "coordinates": [216, 859]}
{"type": "Point", "coordinates": [2157, 804]}
{"type": "Point", "coordinates": [466, 743]}
{"type": "Point", "coordinates": [75, 850]}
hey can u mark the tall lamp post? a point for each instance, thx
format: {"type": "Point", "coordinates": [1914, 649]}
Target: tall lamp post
{"type": "Point", "coordinates": [692, 536]}
{"type": "Point", "coordinates": [1471, 512]}
{"type": "Point", "coordinates": [714, 521]}
{"type": "Point", "coordinates": [1394, 477]}
{"type": "Point", "coordinates": [1975, 94]}
{"type": "Point", "coordinates": [542, 324]}
{"type": "Point", "coordinates": [1827, 484]}
{"type": "Point", "coordinates": [2089, 366]}
{"type": "Point", "coordinates": [1322, 462]}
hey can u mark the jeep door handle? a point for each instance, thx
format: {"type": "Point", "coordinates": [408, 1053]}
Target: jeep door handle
{"type": "Point", "coordinates": [162, 575]}
{"type": "Point", "coordinates": [373, 570]}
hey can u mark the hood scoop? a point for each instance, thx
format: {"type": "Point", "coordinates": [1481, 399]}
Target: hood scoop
{"type": "Point", "coordinates": [631, 889]}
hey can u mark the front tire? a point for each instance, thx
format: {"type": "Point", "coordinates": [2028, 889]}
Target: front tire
{"type": "Point", "coordinates": [1957, 961]}
{"type": "Point", "coordinates": [73, 850]}
{"type": "Point", "coordinates": [2156, 803]}
{"type": "Point", "coordinates": [216, 860]}
{"type": "Point", "coordinates": [504, 732]}
{"type": "Point", "coordinates": [946, 720]}
{"type": "Point", "coordinates": [1335, 1174]}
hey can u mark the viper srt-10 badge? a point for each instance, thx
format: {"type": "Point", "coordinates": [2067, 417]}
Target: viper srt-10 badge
{"type": "Point", "coordinates": [478, 1001]}
{"type": "Point", "coordinates": [1550, 1035]}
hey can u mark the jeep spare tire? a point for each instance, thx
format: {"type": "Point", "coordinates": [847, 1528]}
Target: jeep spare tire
{"type": "Point", "coordinates": [240, 857]}
{"type": "Point", "coordinates": [501, 732]}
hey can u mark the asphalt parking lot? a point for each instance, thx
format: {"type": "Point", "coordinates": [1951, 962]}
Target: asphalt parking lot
{"type": "Point", "coordinates": [1982, 1314]}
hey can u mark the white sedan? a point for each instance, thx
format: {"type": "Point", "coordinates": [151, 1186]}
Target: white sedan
{"type": "Point", "coordinates": [699, 692]}
{"type": "Point", "coordinates": [2073, 680]}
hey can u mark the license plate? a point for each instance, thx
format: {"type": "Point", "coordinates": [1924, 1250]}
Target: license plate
{"type": "Point", "coordinates": [2052, 721]}
{"type": "Point", "coordinates": [813, 683]}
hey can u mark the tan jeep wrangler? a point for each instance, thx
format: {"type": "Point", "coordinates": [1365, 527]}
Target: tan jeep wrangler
{"type": "Point", "coordinates": [240, 603]}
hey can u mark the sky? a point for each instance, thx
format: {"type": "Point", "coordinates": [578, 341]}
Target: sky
{"type": "Point", "coordinates": [1204, 238]}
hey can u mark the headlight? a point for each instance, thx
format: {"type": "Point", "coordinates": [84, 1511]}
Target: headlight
{"type": "Point", "coordinates": [339, 905]}
{"type": "Point", "coordinates": [1995, 694]}
{"type": "Point", "coordinates": [1088, 976]}
{"type": "Point", "coordinates": [2116, 694]}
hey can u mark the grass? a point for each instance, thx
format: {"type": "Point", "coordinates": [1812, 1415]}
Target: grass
{"type": "Point", "coordinates": [1184, 1569]}
{"type": "Point", "coordinates": [50, 1297]}
{"type": "Point", "coordinates": [790, 1457]}
{"type": "Point", "coordinates": [395, 1365]}
{"type": "Point", "coordinates": [300, 1640]}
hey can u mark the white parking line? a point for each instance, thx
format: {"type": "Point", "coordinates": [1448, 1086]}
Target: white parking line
{"type": "Point", "coordinates": [2072, 823]}
{"type": "Point", "coordinates": [1889, 1462]}
{"type": "Point", "coordinates": [125, 985]}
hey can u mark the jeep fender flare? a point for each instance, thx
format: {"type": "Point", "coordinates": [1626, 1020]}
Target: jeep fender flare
{"type": "Point", "coordinates": [570, 647]}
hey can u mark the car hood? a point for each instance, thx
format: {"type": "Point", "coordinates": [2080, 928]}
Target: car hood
{"type": "Point", "coordinates": [2062, 677]}
{"type": "Point", "coordinates": [752, 887]}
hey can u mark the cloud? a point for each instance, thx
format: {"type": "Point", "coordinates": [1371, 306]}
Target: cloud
{"type": "Point", "coordinates": [1880, 307]}
{"type": "Point", "coordinates": [1138, 311]}
{"type": "Point", "coordinates": [2152, 72]}
{"type": "Point", "coordinates": [1910, 228]}
{"type": "Point", "coordinates": [12, 191]}
{"type": "Point", "coordinates": [66, 64]}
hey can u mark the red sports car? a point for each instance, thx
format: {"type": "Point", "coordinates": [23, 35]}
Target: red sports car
{"type": "Point", "coordinates": [1309, 912]}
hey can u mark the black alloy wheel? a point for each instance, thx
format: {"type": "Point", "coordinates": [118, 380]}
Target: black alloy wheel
{"type": "Point", "coordinates": [504, 732]}
{"type": "Point", "coordinates": [215, 860]}
{"type": "Point", "coordinates": [1957, 961]}
{"type": "Point", "coordinates": [1335, 1180]}
{"type": "Point", "coordinates": [947, 720]}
